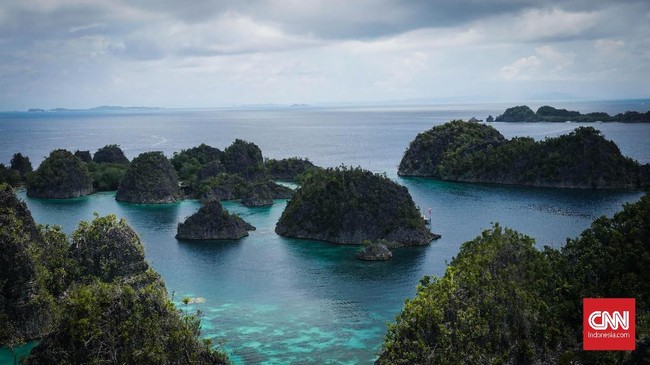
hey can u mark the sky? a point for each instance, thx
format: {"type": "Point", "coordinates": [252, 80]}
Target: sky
{"type": "Point", "coordinates": [211, 53]}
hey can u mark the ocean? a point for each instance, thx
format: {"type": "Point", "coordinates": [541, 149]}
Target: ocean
{"type": "Point", "coordinates": [275, 300]}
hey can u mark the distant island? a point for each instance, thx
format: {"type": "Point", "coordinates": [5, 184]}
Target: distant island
{"type": "Point", "coordinates": [109, 108]}
{"type": "Point", "coordinates": [239, 172]}
{"type": "Point", "coordinates": [523, 113]}
{"type": "Point", "coordinates": [478, 153]}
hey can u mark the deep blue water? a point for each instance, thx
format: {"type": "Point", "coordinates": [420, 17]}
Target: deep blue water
{"type": "Point", "coordinates": [276, 300]}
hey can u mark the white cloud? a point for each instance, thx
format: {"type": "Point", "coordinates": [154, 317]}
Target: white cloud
{"type": "Point", "coordinates": [609, 46]}
{"type": "Point", "coordinates": [546, 64]}
{"type": "Point", "coordinates": [521, 69]}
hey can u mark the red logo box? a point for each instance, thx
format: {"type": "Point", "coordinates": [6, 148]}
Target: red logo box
{"type": "Point", "coordinates": [608, 324]}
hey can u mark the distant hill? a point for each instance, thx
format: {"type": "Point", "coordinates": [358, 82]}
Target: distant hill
{"type": "Point", "coordinates": [523, 113]}
{"type": "Point", "coordinates": [106, 108]}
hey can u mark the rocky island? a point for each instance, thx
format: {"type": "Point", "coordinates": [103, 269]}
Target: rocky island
{"type": "Point", "coordinates": [522, 113]}
{"type": "Point", "coordinates": [473, 152]}
{"type": "Point", "coordinates": [239, 172]}
{"type": "Point", "coordinates": [374, 252]}
{"type": "Point", "coordinates": [61, 175]}
{"type": "Point", "coordinates": [212, 222]}
{"type": "Point", "coordinates": [351, 205]}
{"type": "Point", "coordinates": [150, 179]}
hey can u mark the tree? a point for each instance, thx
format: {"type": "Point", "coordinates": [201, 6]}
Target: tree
{"type": "Point", "coordinates": [21, 164]}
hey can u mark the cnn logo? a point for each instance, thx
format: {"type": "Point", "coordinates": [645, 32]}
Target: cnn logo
{"type": "Point", "coordinates": [603, 320]}
{"type": "Point", "coordinates": [608, 324]}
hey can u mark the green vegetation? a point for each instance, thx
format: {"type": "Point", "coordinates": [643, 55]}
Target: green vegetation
{"type": "Point", "coordinates": [288, 168]}
{"type": "Point", "coordinates": [523, 113]}
{"type": "Point", "coordinates": [350, 205]}
{"type": "Point", "coordinates": [472, 152]}
{"type": "Point", "coordinates": [111, 153]}
{"type": "Point", "coordinates": [9, 176]}
{"type": "Point", "coordinates": [119, 324]}
{"type": "Point", "coordinates": [151, 179]}
{"type": "Point", "coordinates": [244, 158]}
{"type": "Point", "coordinates": [21, 164]}
{"type": "Point", "coordinates": [61, 175]}
{"type": "Point", "coordinates": [107, 176]}
{"type": "Point", "coordinates": [189, 162]}
{"type": "Point", "coordinates": [106, 249]}
{"type": "Point", "coordinates": [26, 307]}
{"type": "Point", "coordinates": [502, 301]}
{"type": "Point", "coordinates": [83, 155]}
{"type": "Point", "coordinates": [95, 301]}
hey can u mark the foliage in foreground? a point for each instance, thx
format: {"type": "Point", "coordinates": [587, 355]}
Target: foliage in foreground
{"type": "Point", "coordinates": [502, 301]}
{"type": "Point", "coordinates": [119, 324]}
{"type": "Point", "coordinates": [95, 301]}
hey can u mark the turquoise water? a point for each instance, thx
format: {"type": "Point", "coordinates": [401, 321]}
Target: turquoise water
{"type": "Point", "coordinates": [275, 300]}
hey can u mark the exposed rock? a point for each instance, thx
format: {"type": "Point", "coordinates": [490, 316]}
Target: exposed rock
{"type": "Point", "coordinates": [111, 153]}
{"type": "Point", "coordinates": [349, 206]}
{"type": "Point", "coordinates": [375, 252]}
{"type": "Point", "coordinates": [61, 175]}
{"type": "Point", "coordinates": [212, 222]}
{"type": "Point", "coordinates": [471, 152]}
{"type": "Point", "coordinates": [211, 169]}
{"type": "Point", "coordinates": [24, 311]}
{"type": "Point", "coordinates": [150, 178]}
{"type": "Point", "coordinates": [258, 195]}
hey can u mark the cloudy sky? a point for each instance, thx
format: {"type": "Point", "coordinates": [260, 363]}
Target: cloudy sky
{"type": "Point", "coordinates": [209, 53]}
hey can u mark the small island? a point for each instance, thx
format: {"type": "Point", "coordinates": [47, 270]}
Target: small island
{"type": "Point", "coordinates": [61, 175]}
{"type": "Point", "coordinates": [523, 113]}
{"type": "Point", "coordinates": [212, 222]}
{"type": "Point", "coordinates": [374, 252]}
{"type": "Point", "coordinates": [150, 179]}
{"type": "Point", "coordinates": [478, 153]}
{"type": "Point", "coordinates": [351, 205]}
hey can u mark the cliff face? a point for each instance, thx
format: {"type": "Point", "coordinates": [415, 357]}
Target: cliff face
{"type": "Point", "coordinates": [61, 175]}
{"type": "Point", "coordinates": [212, 222]}
{"type": "Point", "coordinates": [349, 206]}
{"type": "Point", "coordinates": [24, 311]}
{"type": "Point", "coordinates": [583, 159]}
{"type": "Point", "coordinates": [151, 179]}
